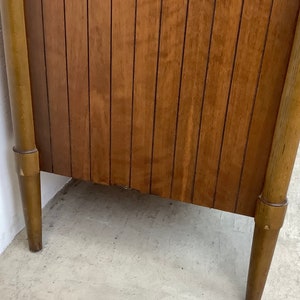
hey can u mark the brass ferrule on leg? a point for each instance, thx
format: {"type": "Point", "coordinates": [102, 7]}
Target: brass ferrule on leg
{"type": "Point", "coordinates": [270, 216]}
{"type": "Point", "coordinates": [269, 219]}
{"type": "Point", "coordinates": [29, 176]}
{"type": "Point", "coordinates": [27, 162]}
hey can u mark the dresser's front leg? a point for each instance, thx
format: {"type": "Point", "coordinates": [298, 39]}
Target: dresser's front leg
{"type": "Point", "coordinates": [29, 181]}
{"type": "Point", "coordinates": [272, 204]}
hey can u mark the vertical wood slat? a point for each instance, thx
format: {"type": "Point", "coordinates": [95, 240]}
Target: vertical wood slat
{"type": "Point", "coordinates": [99, 59]}
{"type": "Point", "coordinates": [169, 71]}
{"type": "Point", "coordinates": [123, 22]}
{"type": "Point", "coordinates": [37, 69]}
{"type": "Point", "coordinates": [222, 54]}
{"type": "Point", "coordinates": [199, 26]}
{"type": "Point", "coordinates": [277, 53]}
{"type": "Point", "coordinates": [55, 51]}
{"type": "Point", "coordinates": [77, 60]}
{"type": "Point", "coordinates": [252, 39]}
{"type": "Point", "coordinates": [146, 51]}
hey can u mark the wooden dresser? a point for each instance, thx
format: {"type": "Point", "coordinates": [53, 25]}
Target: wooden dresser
{"type": "Point", "coordinates": [194, 100]}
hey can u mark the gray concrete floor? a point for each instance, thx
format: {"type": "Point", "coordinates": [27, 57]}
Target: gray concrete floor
{"type": "Point", "coordinates": [110, 243]}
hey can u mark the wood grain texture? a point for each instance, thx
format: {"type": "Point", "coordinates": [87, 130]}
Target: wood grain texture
{"type": "Point", "coordinates": [55, 51]}
{"type": "Point", "coordinates": [281, 32]}
{"type": "Point", "coordinates": [250, 51]}
{"type": "Point", "coordinates": [272, 204]}
{"type": "Point", "coordinates": [123, 22]}
{"type": "Point", "coordinates": [287, 132]}
{"type": "Point", "coordinates": [177, 98]}
{"type": "Point", "coordinates": [99, 68]}
{"type": "Point", "coordinates": [222, 54]}
{"type": "Point", "coordinates": [37, 69]}
{"type": "Point", "coordinates": [77, 60]}
{"type": "Point", "coordinates": [198, 32]}
{"type": "Point", "coordinates": [18, 79]}
{"type": "Point", "coordinates": [146, 54]}
{"type": "Point", "coordinates": [169, 74]}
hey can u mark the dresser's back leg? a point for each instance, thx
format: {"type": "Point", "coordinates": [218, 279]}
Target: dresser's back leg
{"type": "Point", "coordinates": [272, 204]}
{"type": "Point", "coordinates": [16, 56]}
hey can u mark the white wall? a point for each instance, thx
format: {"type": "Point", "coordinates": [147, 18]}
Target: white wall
{"type": "Point", "coordinates": [11, 215]}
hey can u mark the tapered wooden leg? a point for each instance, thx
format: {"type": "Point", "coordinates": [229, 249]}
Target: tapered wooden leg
{"type": "Point", "coordinates": [271, 207]}
{"type": "Point", "coordinates": [29, 180]}
{"type": "Point", "coordinates": [268, 221]}
{"type": "Point", "coordinates": [16, 56]}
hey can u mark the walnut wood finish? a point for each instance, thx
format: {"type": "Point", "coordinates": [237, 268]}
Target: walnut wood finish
{"type": "Point", "coordinates": [99, 31]}
{"type": "Point", "coordinates": [272, 205]}
{"type": "Point", "coordinates": [39, 81]}
{"type": "Point", "coordinates": [250, 50]}
{"type": "Point", "coordinates": [216, 90]}
{"type": "Point", "coordinates": [15, 46]}
{"type": "Point", "coordinates": [76, 29]}
{"type": "Point", "coordinates": [146, 58]}
{"type": "Point", "coordinates": [123, 18]}
{"type": "Point", "coordinates": [193, 85]}
{"type": "Point", "coordinates": [174, 98]}
{"type": "Point", "coordinates": [273, 71]}
{"type": "Point", "coordinates": [57, 82]}
{"type": "Point", "coordinates": [182, 108]}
